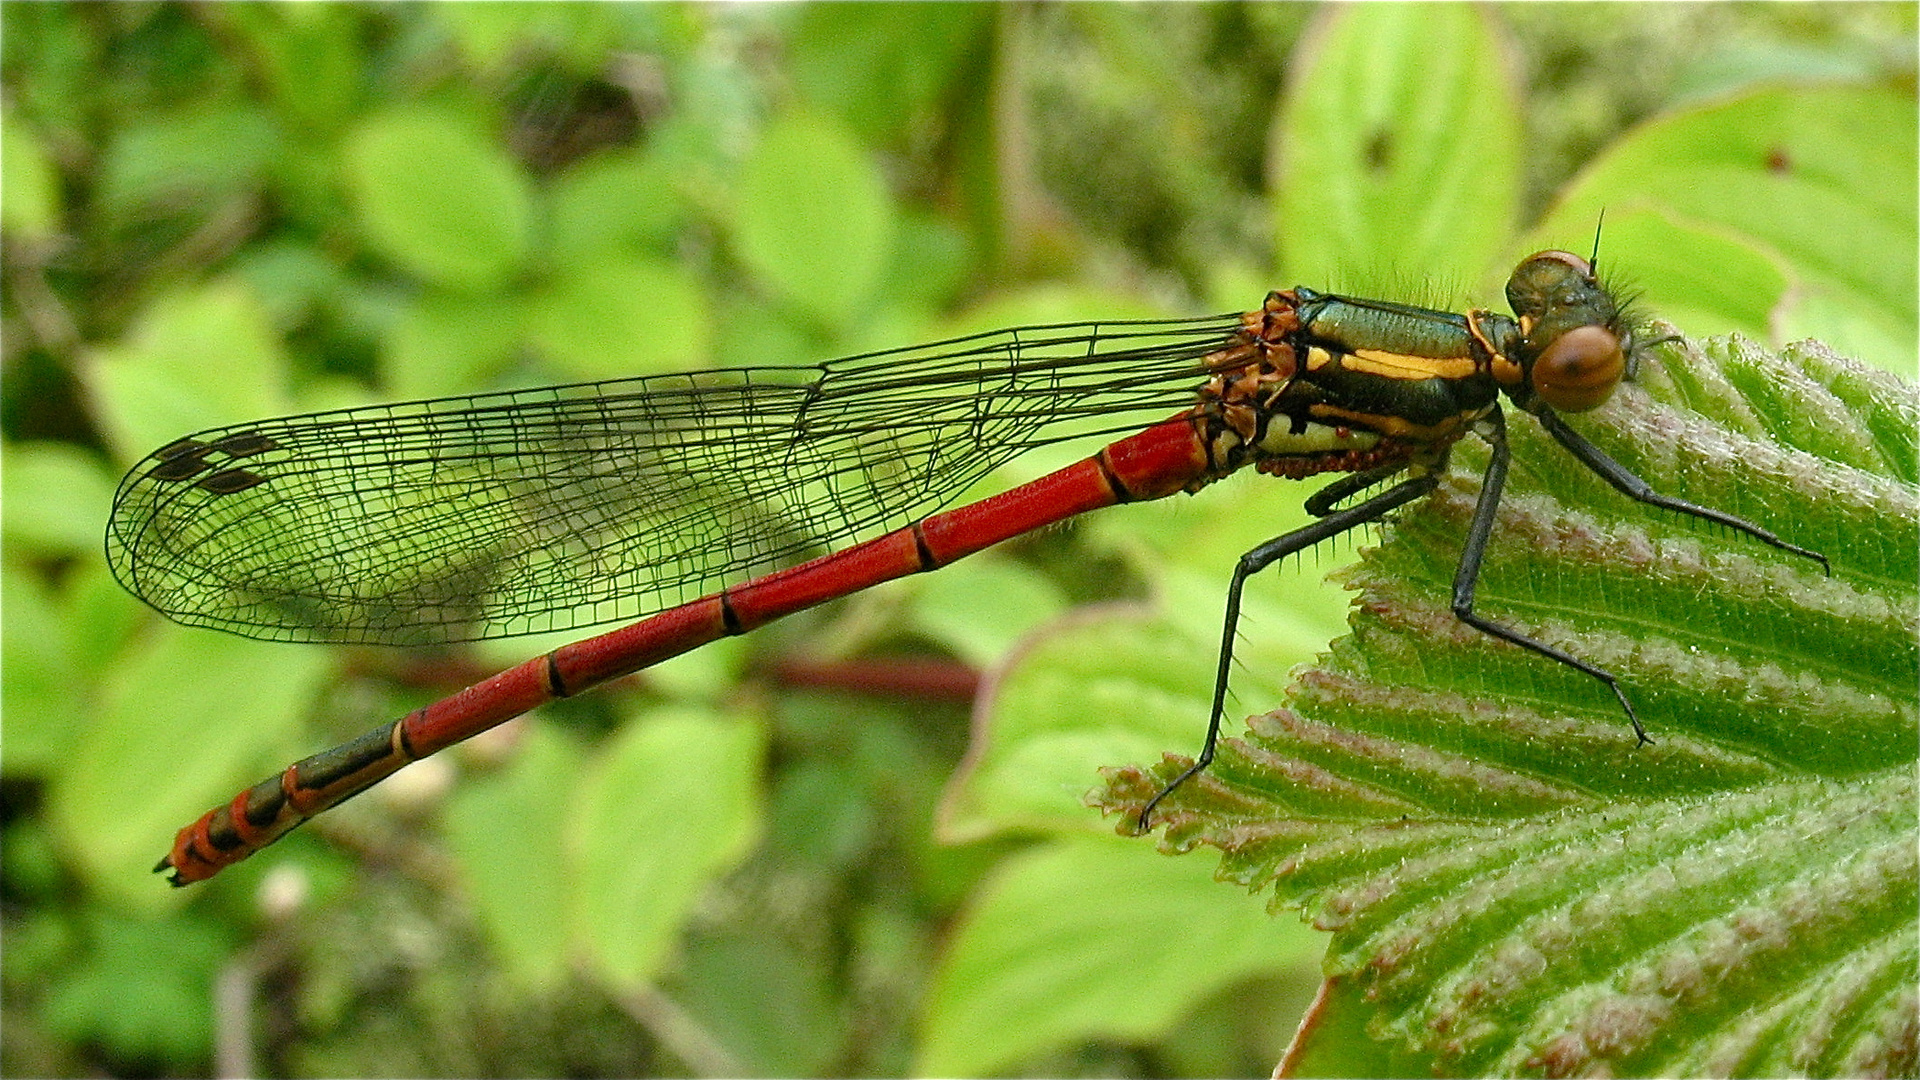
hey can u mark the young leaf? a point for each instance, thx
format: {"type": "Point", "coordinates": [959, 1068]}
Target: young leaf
{"type": "Point", "coordinates": [1513, 884]}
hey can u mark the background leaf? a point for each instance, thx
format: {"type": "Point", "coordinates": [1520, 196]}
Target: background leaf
{"type": "Point", "coordinates": [614, 317]}
{"type": "Point", "coordinates": [694, 771]}
{"type": "Point", "coordinates": [813, 217]}
{"type": "Point", "coordinates": [505, 829]}
{"type": "Point", "coordinates": [1002, 998]}
{"type": "Point", "coordinates": [29, 187]}
{"type": "Point", "coordinates": [1398, 153]}
{"type": "Point", "coordinates": [202, 356]}
{"type": "Point", "coordinates": [438, 199]}
{"type": "Point", "coordinates": [153, 722]}
{"type": "Point", "coordinates": [1715, 197]}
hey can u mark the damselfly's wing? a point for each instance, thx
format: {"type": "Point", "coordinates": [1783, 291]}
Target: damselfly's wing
{"type": "Point", "coordinates": [561, 507]}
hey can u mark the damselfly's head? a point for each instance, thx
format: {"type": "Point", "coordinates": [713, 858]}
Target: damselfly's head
{"type": "Point", "coordinates": [1574, 338]}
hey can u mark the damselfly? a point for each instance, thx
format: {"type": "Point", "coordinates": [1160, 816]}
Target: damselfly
{"type": "Point", "coordinates": [693, 496]}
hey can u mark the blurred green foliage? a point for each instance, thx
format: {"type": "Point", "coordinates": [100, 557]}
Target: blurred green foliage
{"type": "Point", "coordinates": [216, 212]}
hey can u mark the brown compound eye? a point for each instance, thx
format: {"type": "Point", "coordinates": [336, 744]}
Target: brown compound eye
{"type": "Point", "coordinates": [1579, 370]}
{"type": "Point", "coordinates": [1568, 259]}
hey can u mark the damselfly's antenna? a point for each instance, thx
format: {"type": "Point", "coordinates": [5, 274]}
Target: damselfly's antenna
{"type": "Point", "coordinates": [1593, 264]}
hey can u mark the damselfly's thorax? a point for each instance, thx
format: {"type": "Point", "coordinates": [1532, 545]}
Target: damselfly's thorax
{"type": "Point", "coordinates": [1316, 382]}
{"type": "Point", "coordinates": [1259, 406]}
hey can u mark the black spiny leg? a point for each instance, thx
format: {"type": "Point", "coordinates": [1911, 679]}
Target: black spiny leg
{"type": "Point", "coordinates": [1639, 490]}
{"type": "Point", "coordinates": [1331, 524]}
{"type": "Point", "coordinates": [1467, 577]}
{"type": "Point", "coordinates": [1322, 502]}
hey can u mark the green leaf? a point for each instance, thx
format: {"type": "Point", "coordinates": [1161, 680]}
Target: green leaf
{"type": "Point", "coordinates": [1332, 1040]}
{"type": "Point", "coordinates": [491, 34]}
{"type": "Point", "coordinates": [56, 495]}
{"type": "Point", "coordinates": [29, 186]}
{"type": "Point", "coordinates": [141, 989]}
{"type": "Point", "coordinates": [978, 608]}
{"type": "Point", "coordinates": [1122, 682]}
{"type": "Point", "coordinates": [1188, 546]}
{"type": "Point", "coordinates": [449, 342]}
{"type": "Point", "coordinates": [1814, 184]}
{"type": "Point", "coordinates": [55, 644]}
{"type": "Point", "coordinates": [309, 58]}
{"type": "Point", "coordinates": [505, 831]}
{"type": "Point", "coordinates": [201, 356]}
{"type": "Point", "coordinates": [1105, 686]}
{"type": "Point", "coordinates": [621, 316]}
{"type": "Point", "coordinates": [1083, 939]}
{"type": "Point", "coordinates": [37, 693]}
{"type": "Point", "coordinates": [438, 198]}
{"type": "Point", "coordinates": [166, 746]}
{"type": "Point", "coordinates": [1397, 153]}
{"type": "Point", "coordinates": [882, 65]}
{"type": "Point", "coordinates": [293, 280]}
{"type": "Point", "coordinates": [100, 615]}
{"type": "Point", "coordinates": [928, 266]}
{"type": "Point", "coordinates": [199, 156]}
{"type": "Point", "coordinates": [624, 203]}
{"type": "Point", "coordinates": [670, 806]}
{"type": "Point", "coordinates": [770, 1006]}
{"type": "Point", "coordinates": [1513, 884]}
{"type": "Point", "coordinates": [813, 218]}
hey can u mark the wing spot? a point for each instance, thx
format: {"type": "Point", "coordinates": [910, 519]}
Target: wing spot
{"type": "Point", "coordinates": [231, 481]}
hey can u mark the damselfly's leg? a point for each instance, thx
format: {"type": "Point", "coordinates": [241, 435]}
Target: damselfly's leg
{"type": "Point", "coordinates": [1474, 552]}
{"type": "Point", "coordinates": [1331, 524]}
{"type": "Point", "coordinates": [1322, 502]}
{"type": "Point", "coordinates": [1639, 490]}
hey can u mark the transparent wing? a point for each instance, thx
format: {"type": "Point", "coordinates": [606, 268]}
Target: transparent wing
{"type": "Point", "coordinates": [561, 507]}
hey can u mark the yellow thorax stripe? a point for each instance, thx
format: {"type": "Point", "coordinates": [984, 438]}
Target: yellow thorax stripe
{"type": "Point", "coordinates": [1393, 365]}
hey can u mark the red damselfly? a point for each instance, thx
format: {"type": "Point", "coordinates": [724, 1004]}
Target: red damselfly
{"type": "Point", "coordinates": [700, 497]}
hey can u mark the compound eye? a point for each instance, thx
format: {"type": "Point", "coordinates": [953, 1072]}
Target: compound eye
{"type": "Point", "coordinates": [1568, 259]}
{"type": "Point", "coordinates": [1579, 370]}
